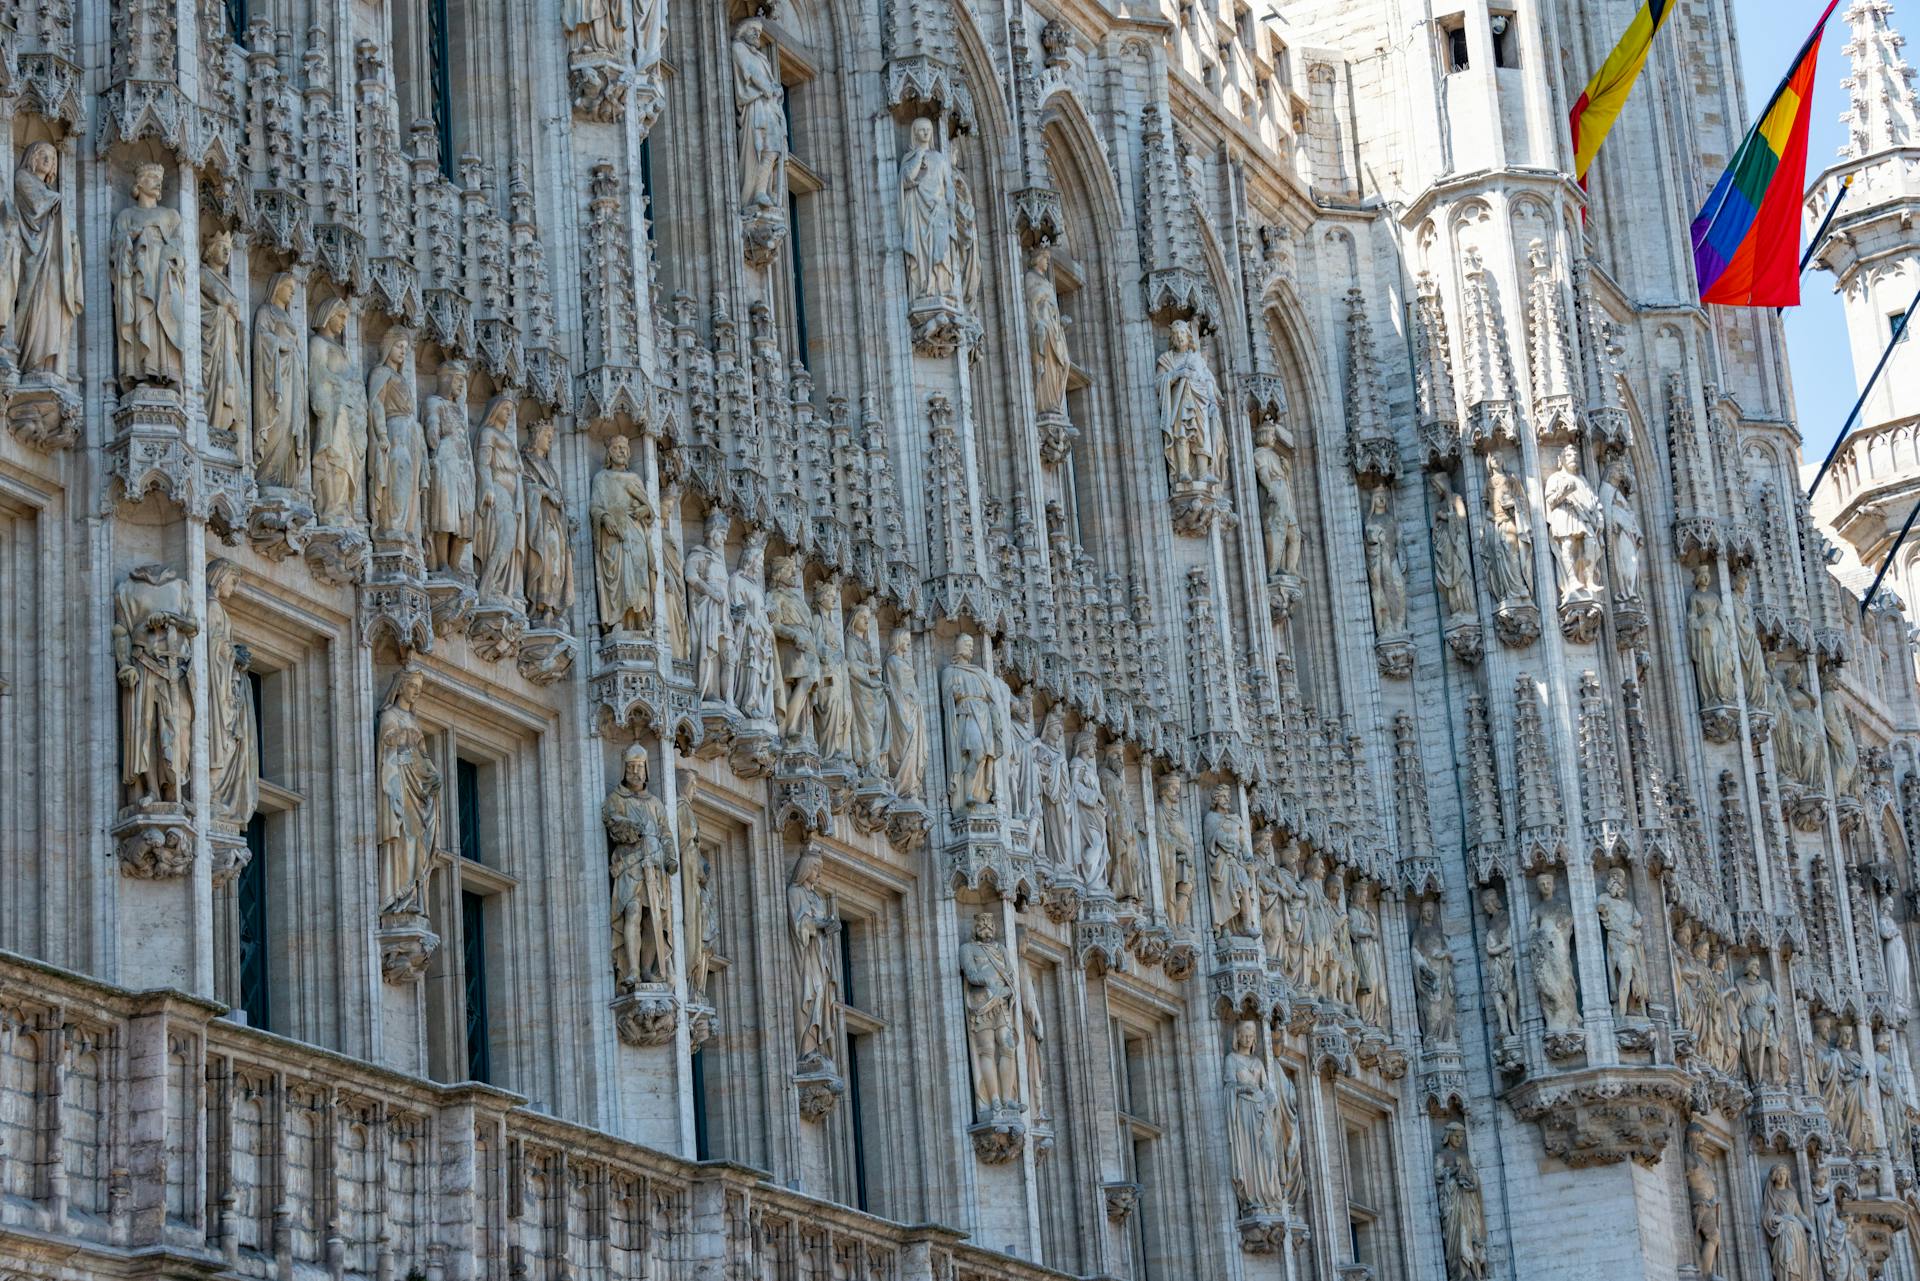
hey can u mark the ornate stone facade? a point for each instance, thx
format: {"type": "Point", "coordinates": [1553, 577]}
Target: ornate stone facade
{"type": "Point", "coordinates": [754, 623]}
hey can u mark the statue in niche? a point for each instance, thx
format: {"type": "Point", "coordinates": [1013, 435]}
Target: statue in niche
{"type": "Point", "coordinates": [1710, 644]}
{"type": "Point", "coordinates": [799, 667]}
{"type": "Point", "coordinates": [148, 261]}
{"type": "Point", "coordinates": [337, 401]}
{"type": "Point", "coordinates": [233, 738]}
{"type": "Point", "coordinates": [1090, 810]}
{"type": "Point", "coordinates": [1843, 749]}
{"type": "Point", "coordinates": [673, 567]}
{"type": "Point", "coordinates": [709, 620]}
{"type": "Point", "coordinates": [699, 922]}
{"type": "Point", "coordinates": [1052, 362]}
{"type": "Point", "coordinates": [966, 226]}
{"type": "Point", "coordinates": [1229, 851]}
{"type": "Point", "coordinates": [1550, 950]}
{"type": "Point", "coordinates": [1386, 570]}
{"type": "Point", "coordinates": [1266, 882]}
{"type": "Point", "coordinates": [223, 346]}
{"type": "Point", "coordinates": [643, 862]}
{"type": "Point", "coordinates": [1433, 978]}
{"type": "Point", "coordinates": [1176, 850]}
{"type": "Point", "coordinates": [1753, 658]}
{"type": "Point", "coordinates": [502, 541]}
{"type": "Point", "coordinates": [279, 390]}
{"type": "Point", "coordinates": [452, 494]}
{"type": "Point", "coordinates": [832, 697]}
{"type": "Point", "coordinates": [906, 719]}
{"type": "Point", "coordinates": [1033, 1021]}
{"type": "Point", "coordinates": [650, 33]}
{"type": "Point", "coordinates": [1279, 515]}
{"type": "Point", "coordinates": [1893, 948]}
{"type": "Point", "coordinates": [397, 455]}
{"type": "Point", "coordinates": [1788, 1229]}
{"type": "Point", "coordinates": [760, 99]}
{"type": "Point", "coordinates": [1576, 522]}
{"type": "Point", "coordinates": [1762, 1041]}
{"type": "Point", "coordinates": [1501, 980]}
{"type": "Point", "coordinates": [1452, 548]}
{"type": "Point", "coordinates": [927, 200]}
{"type": "Point", "coordinates": [1263, 1145]}
{"type": "Point", "coordinates": [1058, 844]}
{"type": "Point", "coordinates": [1317, 936]}
{"type": "Point", "coordinates": [1896, 1096]}
{"type": "Point", "coordinates": [1509, 537]}
{"type": "Point", "coordinates": [48, 288]}
{"type": "Point", "coordinates": [754, 662]}
{"type": "Point", "coordinates": [1126, 876]}
{"type": "Point", "coordinates": [1626, 954]}
{"type": "Point", "coordinates": [975, 741]}
{"type": "Point", "coordinates": [1463, 1216]}
{"type": "Point", "coordinates": [1825, 1072]}
{"type": "Point", "coordinates": [622, 521]}
{"type": "Point", "coordinates": [1626, 541]}
{"type": "Point", "coordinates": [1369, 958]}
{"type": "Point", "coordinates": [1703, 1198]}
{"type": "Point", "coordinates": [597, 30]}
{"type": "Point", "coordinates": [154, 625]}
{"type": "Point", "coordinates": [1345, 985]}
{"type": "Point", "coordinates": [549, 550]}
{"type": "Point", "coordinates": [993, 1037]}
{"type": "Point", "coordinates": [1286, 932]}
{"type": "Point", "coordinates": [1190, 423]}
{"type": "Point", "coordinates": [1856, 1114]}
{"type": "Point", "coordinates": [1022, 765]}
{"type": "Point", "coordinates": [1839, 1257]}
{"type": "Point", "coordinates": [1726, 990]}
{"type": "Point", "coordinates": [866, 690]}
{"type": "Point", "coordinates": [1799, 737]}
{"type": "Point", "coordinates": [813, 920]}
{"type": "Point", "coordinates": [408, 826]}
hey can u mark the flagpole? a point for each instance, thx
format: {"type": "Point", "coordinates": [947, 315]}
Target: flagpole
{"type": "Point", "coordinates": [1846, 185]}
{"type": "Point", "coordinates": [1905, 320]}
{"type": "Point", "coordinates": [1887, 564]}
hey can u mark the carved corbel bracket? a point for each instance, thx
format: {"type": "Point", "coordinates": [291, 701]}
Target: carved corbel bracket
{"type": "Point", "coordinates": [1602, 1116]}
{"type": "Point", "coordinates": [406, 943]}
{"type": "Point", "coordinates": [647, 1015]}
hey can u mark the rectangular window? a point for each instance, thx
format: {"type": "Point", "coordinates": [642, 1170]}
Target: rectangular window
{"type": "Point", "coordinates": [1897, 326]}
{"type": "Point", "coordinates": [702, 1135]}
{"type": "Point", "coordinates": [1453, 43]}
{"type": "Point", "coordinates": [440, 82]}
{"type": "Point", "coordinates": [856, 1046]}
{"type": "Point", "coordinates": [473, 936]}
{"type": "Point", "coordinates": [466, 776]}
{"type": "Point", "coordinates": [1506, 39]}
{"type": "Point", "coordinates": [237, 19]}
{"type": "Point", "coordinates": [1132, 1089]}
{"type": "Point", "coordinates": [250, 903]}
{"type": "Point", "coordinates": [646, 183]}
{"type": "Point", "coordinates": [256, 689]}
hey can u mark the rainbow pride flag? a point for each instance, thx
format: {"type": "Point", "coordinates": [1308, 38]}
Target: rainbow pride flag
{"type": "Point", "coordinates": [1601, 101]}
{"type": "Point", "coordinates": [1746, 240]}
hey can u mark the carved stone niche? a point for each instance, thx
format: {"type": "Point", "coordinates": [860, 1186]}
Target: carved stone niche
{"type": "Point", "coordinates": [1602, 1116]}
{"type": "Point", "coordinates": [1001, 1136]}
{"type": "Point", "coordinates": [647, 1014]}
{"type": "Point", "coordinates": [407, 943]}
{"type": "Point", "coordinates": [155, 841]}
{"type": "Point", "coordinates": [1121, 1200]}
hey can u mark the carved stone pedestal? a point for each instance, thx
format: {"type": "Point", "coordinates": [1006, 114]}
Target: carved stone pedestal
{"type": "Point", "coordinates": [229, 855]}
{"type": "Point", "coordinates": [978, 859]}
{"type": "Point", "coordinates": [453, 601]}
{"type": "Point", "coordinates": [1268, 1233]}
{"type": "Point", "coordinates": [1629, 621]}
{"type": "Point", "coordinates": [1602, 1116]}
{"type": "Point", "coordinates": [1099, 940]}
{"type": "Point", "coordinates": [1283, 593]}
{"type": "Point", "coordinates": [1240, 987]}
{"type": "Point", "coordinates": [338, 555]}
{"type": "Point", "coordinates": [1720, 724]}
{"type": "Point", "coordinates": [703, 1021]}
{"type": "Point", "coordinates": [820, 1087]}
{"type": "Point", "coordinates": [1580, 621]}
{"type": "Point", "coordinates": [1394, 657]}
{"type": "Point", "coordinates": [717, 721]}
{"type": "Point", "coordinates": [908, 823]}
{"type": "Point", "coordinates": [872, 799]}
{"type": "Point", "coordinates": [646, 1015]}
{"type": "Point", "coordinates": [1570, 1044]}
{"type": "Point", "coordinates": [1060, 898]}
{"type": "Point", "coordinates": [1464, 640]}
{"type": "Point", "coordinates": [45, 413]}
{"type": "Point", "coordinates": [763, 228]}
{"type": "Point", "coordinates": [1181, 960]}
{"type": "Point", "coordinates": [750, 752]}
{"type": "Point", "coordinates": [496, 630]}
{"type": "Point", "coordinates": [1781, 1123]}
{"type": "Point", "coordinates": [940, 325]}
{"type": "Point", "coordinates": [394, 600]}
{"type": "Point", "coordinates": [407, 942]}
{"type": "Point", "coordinates": [1518, 624]}
{"type": "Point", "coordinates": [800, 795]}
{"type": "Point", "coordinates": [545, 655]}
{"type": "Point", "coordinates": [1000, 1136]}
{"type": "Point", "coordinates": [630, 688]}
{"type": "Point", "coordinates": [279, 523]}
{"type": "Point", "coordinates": [1057, 435]}
{"type": "Point", "coordinates": [1197, 504]}
{"type": "Point", "coordinates": [1443, 1080]}
{"type": "Point", "coordinates": [1805, 809]}
{"type": "Point", "coordinates": [1122, 1199]}
{"type": "Point", "coordinates": [155, 840]}
{"type": "Point", "coordinates": [150, 450]}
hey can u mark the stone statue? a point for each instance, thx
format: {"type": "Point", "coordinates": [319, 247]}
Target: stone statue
{"type": "Point", "coordinates": [709, 612]}
{"type": "Point", "coordinates": [642, 865]}
{"type": "Point", "coordinates": [279, 390]}
{"type": "Point", "coordinates": [1856, 1116]}
{"type": "Point", "coordinates": [1279, 514]}
{"type": "Point", "coordinates": [1762, 1042]}
{"type": "Point", "coordinates": [1058, 845]}
{"type": "Point", "coordinates": [452, 485]}
{"type": "Point", "coordinates": [993, 1037]}
{"type": "Point", "coordinates": [1126, 876]}
{"type": "Point", "coordinates": [975, 738]}
{"type": "Point", "coordinates": [1316, 936]}
{"type": "Point", "coordinates": [966, 228]}
{"type": "Point", "coordinates": [1839, 1257]}
{"type": "Point", "coordinates": [1826, 1073]}
{"type": "Point", "coordinates": [1893, 948]}
{"type": "Point", "coordinates": [760, 99]}
{"type": "Point", "coordinates": [233, 737]}
{"type": "Point", "coordinates": [500, 527]}
{"type": "Point", "coordinates": [673, 567]}
{"type": "Point", "coordinates": [622, 521]}
{"type": "Point", "coordinates": [1190, 423]}
{"type": "Point", "coordinates": [1501, 981]}
{"type": "Point", "coordinates": [1090, 810]}
{"type": "Point", "coordinates": [149, 266]}
{"type": "Point", "coordinates": [1753, 658]}
{"type": "Point", "coordinates": [1703, 1197]}
{"type": "Point", "coordinates": [1726, 993]}
{"type": "Point", "coordinates": [223, 346]}
{"type": "Point", "coordinates": [1286, 932]}
{"type": "Point", "coordinates": [1463, 1217]}
{"type": "Point", "coordinates": [337, 401]}
{"type": "Point", "coordinates": [1626, 953]}
{"type": "Point", "coordinates": [154, 624]}
{"type": "Point", "coordinates": [1433, 978]}
{"type": "Point", "coordinates": [1021, 784]}
{"type": "Point", "coordinates": [699, 922]}
{"type": "Point", "coordinates": [813, 920]}
{"type": "Point", "coordinates": [754, 662]}
{"type": "Point", "coordinates": [906, 719]}
{"type": "Point", "coordinates": [1509, 543]}
{"type": "Point", "coordinates": [927, 200]}
{"type": "Point", "coordinates": [1576, 522]}
{"type": "Point", "coordinates": [550, 586]}
{"type": "Point", "coordinates": [397, 476]}
{"type": "Point", "coordinates": [1452, 548]}
{"type": "Point", "coordinates": [1344, 985]}
{"type": "Point", "coordinates": [1550, 950]}
{"type": "Point", "coordinates": [49, 289]}
{"type": "Point", "coordinates": [1843, 749]}
{"type": "Point", "coordinates": [1176, 851]}
{"type": "Point", "coordinates": [1799, 737]}
{"type": "Point", "coordinates": [793, 626]}
{"type": "Point", "coordinates": [1626, 542]}
{"type": "Point", "coordinates": [1369, 957]}
{"type": "Point", "coordinates": [866, 689]}
{"type": "Point", "coordinates": [598, 29]}
{"type": "Point", "coordinates": [1263, 1145]}
{"type": "Point", "coordinates": [1047, 331]}
{"type": "Point", "coordinates": [1033, 1021]}
{"type": "Point", "coordinates": [408, 826]}
{"type": "Point", "coordinates": [1235, 897]}
{"type": "Point", "coordinates": [1789, 1231]}
{"type": "Point", "coordinates": [1710, 644]}
{"type": "Point", "coordinates": [1386, 570]}
{"type": "Point", "coordinates": [832, 697]}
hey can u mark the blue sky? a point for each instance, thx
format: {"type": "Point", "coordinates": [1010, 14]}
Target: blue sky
{"type": "Point", "coordinates": [1770, 33]}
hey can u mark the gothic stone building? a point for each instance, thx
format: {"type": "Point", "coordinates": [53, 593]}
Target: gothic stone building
{"type": "Point", "coordinates": [655, 640]}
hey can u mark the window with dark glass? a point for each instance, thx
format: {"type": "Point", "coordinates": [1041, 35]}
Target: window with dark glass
{"type": "Point", "coordinates": [467, 798]}
{"type": "Point", "coordinates": [440, 82]}
{"type": "Point", "coordinates": [250, 903]}
{"type": "Point", "coordinates": [858, 1048]}
{"type": "Point", "coordinates": [473, 961]}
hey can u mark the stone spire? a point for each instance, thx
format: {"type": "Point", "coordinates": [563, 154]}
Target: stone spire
{"type": "Point", "coordinates": [1883, 111]}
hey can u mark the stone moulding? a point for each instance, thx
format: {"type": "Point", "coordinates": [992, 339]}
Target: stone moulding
{"type": "Point", "coordinates": [1602, 1116]}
